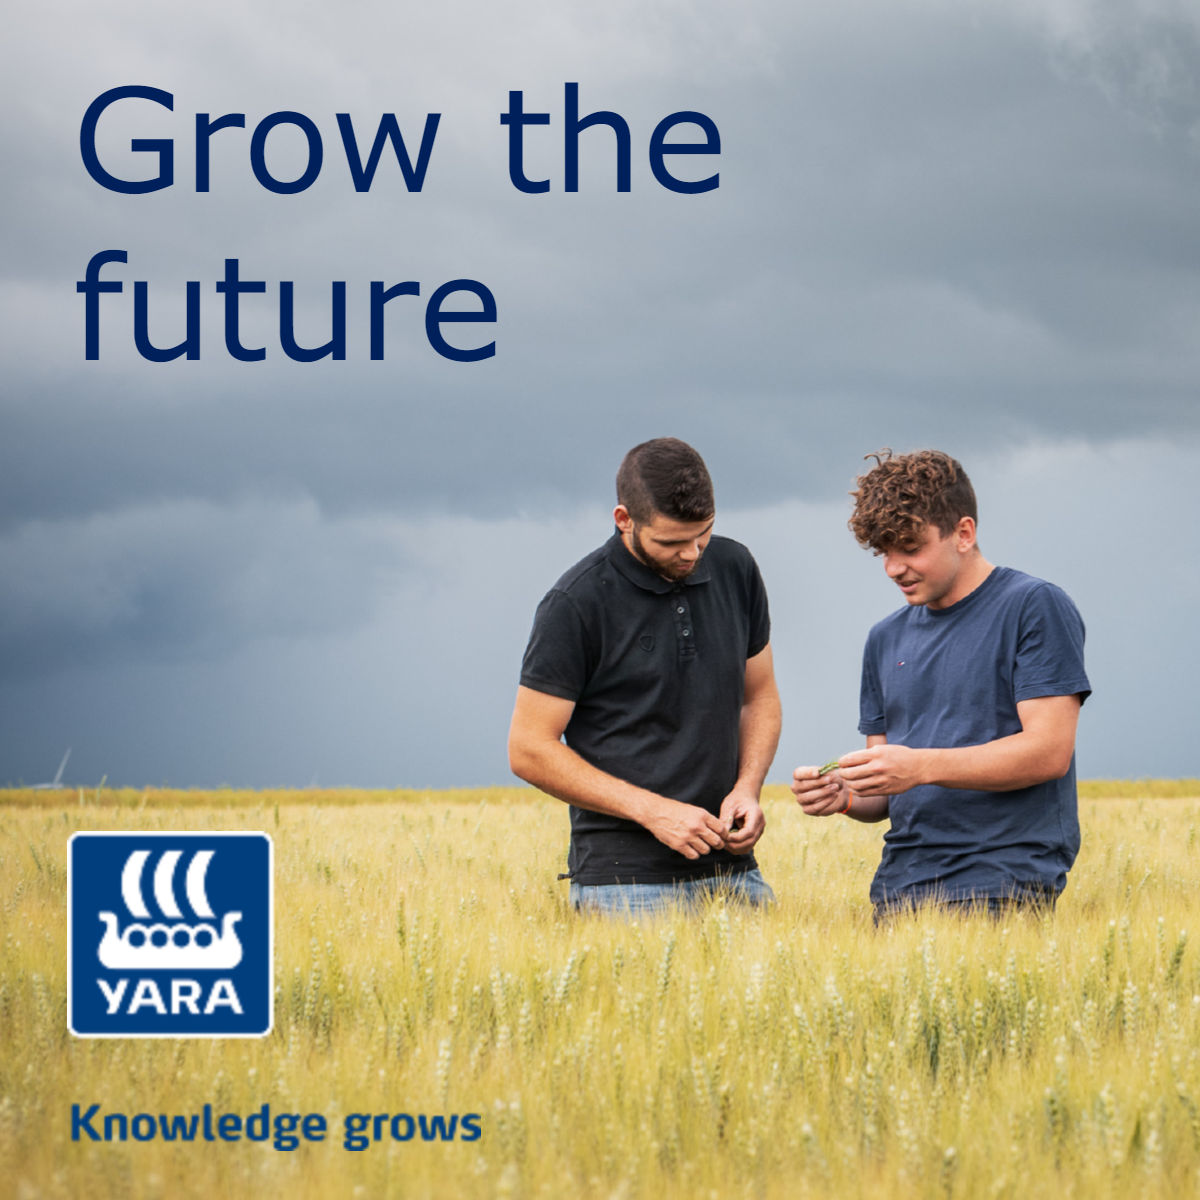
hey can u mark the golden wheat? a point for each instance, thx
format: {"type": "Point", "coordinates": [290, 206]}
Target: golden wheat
{"type": "Point", "coordinates": [427, 963]}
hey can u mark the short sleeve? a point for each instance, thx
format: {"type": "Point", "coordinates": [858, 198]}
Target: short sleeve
{"type": "Point", "coordinates": [760, 613]}
{"type": "Point", "coordinates": [557, 660]}
{"type": "Point", "coordinates": [871, 716]}
{"type": "Point", "coordinates": [1050, 648]}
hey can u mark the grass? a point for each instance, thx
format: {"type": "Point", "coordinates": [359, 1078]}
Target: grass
{"type": "Point", "coordinates": [226, 797]}
{"type": "Point", "coordinates": [427, 963]}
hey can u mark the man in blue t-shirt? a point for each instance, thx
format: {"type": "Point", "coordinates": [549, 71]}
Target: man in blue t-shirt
{"type": "Point", "coordinates": [970, 699]}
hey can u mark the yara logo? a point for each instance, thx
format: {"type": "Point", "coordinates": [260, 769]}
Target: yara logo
{"type": "Point", "coordinates": [165, 947]}
{"type": "Point", "coordinates": [170, 933]}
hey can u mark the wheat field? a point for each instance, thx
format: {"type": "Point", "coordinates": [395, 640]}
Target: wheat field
{"type": "Point", "coordinates": [426, 962]}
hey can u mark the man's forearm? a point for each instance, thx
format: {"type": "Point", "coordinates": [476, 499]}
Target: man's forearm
{"type": "Point", "coordinates": [1005, 765]}
{"type": "Point", "coordinates": [1009, 763]}
{"type": "Point", "coordinates": [758, 738]}
{"type": "Point", "coordinates": [546, 763]}
{"type": "Point", "coordinates": [1041, 751]}
{"type": "Point", "coordinates": [559, 771]}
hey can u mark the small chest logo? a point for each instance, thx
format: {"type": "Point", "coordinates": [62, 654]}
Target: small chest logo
{"type": "Point", "coordinates": [646, 641]}
{"type": "Point", "coordinates": [139, 966]}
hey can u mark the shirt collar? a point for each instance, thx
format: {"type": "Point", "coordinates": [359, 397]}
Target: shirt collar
{"type": "Point", "coordinates": [959, 605]}
{"type": "Point", "coordinates": [637, 572]}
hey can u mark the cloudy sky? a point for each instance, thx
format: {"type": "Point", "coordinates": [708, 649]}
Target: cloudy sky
{"type": "Point", "coordinates": [971, 224]}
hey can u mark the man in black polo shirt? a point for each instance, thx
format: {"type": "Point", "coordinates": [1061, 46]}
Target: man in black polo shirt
{"type": "Point", "coordinates": [651, 659]}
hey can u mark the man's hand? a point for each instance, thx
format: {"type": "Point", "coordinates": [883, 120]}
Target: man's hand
{"type": "Point", "coordinates": [883, 770]}
{"type": "Point", "coordinates": [684, 827]}
{"type": "Point", "coordinates": [819, 795]}
{"type": "Point", "coordinates": [743, 821]}
{"type": "Point", "coordinates": [825, 795]}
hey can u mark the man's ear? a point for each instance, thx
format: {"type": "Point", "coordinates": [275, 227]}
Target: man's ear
{"type": "Point", "coordinates": [622, 519]}
{"type": "Point", "coordinates": [964, 534]}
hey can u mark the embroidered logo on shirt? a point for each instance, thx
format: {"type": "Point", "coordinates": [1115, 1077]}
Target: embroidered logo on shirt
{"type": "Point", "coordinates": [646, 641]}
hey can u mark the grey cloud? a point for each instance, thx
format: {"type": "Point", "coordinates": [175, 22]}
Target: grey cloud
{"type": "Point", "coordinates": [1143, 56]}
{"type": "Point", "coordinates": [971, 225]}
{"type": "Point", "coordinates": [419, 694]}
{"type": "Point", "coordinates": [182, 579]}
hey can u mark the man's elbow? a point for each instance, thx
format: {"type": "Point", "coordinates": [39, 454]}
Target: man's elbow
{"type": "Point", "coordinates": [1062, 763]}
{"type": "Point", "coordinates": [524, 759]}
{"type": "Point", "coordinates": [520, 761]}
{"type": "Point", "coordinates": [1056, 763]}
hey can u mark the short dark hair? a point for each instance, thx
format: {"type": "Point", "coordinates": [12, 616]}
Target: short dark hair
{"type": "Point", "coordinates": [665, 477]}
{"type": "Point", "coordinates": [903, 493]}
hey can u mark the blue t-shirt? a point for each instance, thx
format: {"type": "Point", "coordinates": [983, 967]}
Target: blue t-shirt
{"type": "Point", "coordinates": [952, 677]}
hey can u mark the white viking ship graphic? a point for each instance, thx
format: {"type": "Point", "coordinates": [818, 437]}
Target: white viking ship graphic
{"type": "Point", "coordinates": [165, 947]}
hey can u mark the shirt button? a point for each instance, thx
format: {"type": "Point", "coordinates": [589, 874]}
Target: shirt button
{"type": "Point", "coordinates": [686, 632]}
{"type": "Point", "coordinates": [679, 610]}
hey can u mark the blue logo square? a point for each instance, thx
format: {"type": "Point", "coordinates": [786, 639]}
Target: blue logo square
{"type": "Point", "coordinates": [170, 934]}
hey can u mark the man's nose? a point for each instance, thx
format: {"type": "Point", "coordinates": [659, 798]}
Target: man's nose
{"type": "Point", "coordinates": [894, 565]}
{"type": "Point", "coordinates": [691, 552]}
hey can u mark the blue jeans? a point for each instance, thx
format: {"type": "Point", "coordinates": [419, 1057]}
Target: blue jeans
{"type": "Point", "coordinates": [653, 899]}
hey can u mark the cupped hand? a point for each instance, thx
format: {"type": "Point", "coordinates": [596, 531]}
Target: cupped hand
{"type": "Point", "coordinates": [820, 795]}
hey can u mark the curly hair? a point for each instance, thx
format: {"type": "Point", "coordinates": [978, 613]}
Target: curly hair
{"type": "Point", "coordinates": [899, 496]}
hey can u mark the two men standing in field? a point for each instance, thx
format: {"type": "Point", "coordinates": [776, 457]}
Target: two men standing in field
{"type": "Point", "coordinates": [651, 657]}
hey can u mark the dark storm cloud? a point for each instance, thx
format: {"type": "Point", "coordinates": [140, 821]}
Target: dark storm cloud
{"type": "Point", "coordinates": [925, 211]}
{"type": "Point", "coordinates": [181, 580]}
{"type": "Point", "coordinates": [971, 224]}
{"type": "Point", "coordinates": [420, 693]}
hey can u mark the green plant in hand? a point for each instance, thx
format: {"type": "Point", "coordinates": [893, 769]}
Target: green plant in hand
{"type": "Point", "coordinates": [831, 765]}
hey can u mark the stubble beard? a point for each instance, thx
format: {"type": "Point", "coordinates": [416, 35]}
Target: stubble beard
{"type": "Point", "coordinates": [672, 575]}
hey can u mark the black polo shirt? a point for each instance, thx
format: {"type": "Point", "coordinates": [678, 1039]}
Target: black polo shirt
{"type": "Point", "coordinates": [657, 672]}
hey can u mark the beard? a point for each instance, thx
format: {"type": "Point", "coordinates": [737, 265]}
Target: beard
{"type": "Point", "coordinates": [674, 574]}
